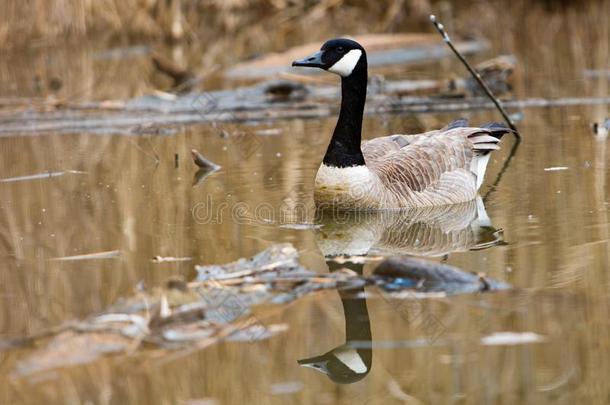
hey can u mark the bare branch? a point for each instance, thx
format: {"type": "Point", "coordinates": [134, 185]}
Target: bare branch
{"type": "Point", "coordinates": [441, 29]}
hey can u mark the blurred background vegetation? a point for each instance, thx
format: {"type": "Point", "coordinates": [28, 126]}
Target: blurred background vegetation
{"type": "Point", "coordinates": [59, 41]}
{"type": "Point", "coordinates": [27, 23]}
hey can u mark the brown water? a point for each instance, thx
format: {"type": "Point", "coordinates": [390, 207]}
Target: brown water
{"type": "Point", "coordinates": [555, 222]}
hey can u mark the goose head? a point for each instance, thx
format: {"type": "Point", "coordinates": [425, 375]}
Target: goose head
{"type": "Point", "coordinates": [347, 59]}
{"type": "Point", "coordinates": [348, 363]}
{"type": "Point", "coordinates": [341, 56]}
{"type": "Point", "coordinates": [343, 364]}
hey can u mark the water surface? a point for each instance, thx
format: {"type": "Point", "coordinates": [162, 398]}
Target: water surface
{"type": "Point", "coordinates": [130, 195]}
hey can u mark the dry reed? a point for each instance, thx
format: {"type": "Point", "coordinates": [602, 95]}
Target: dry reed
{"type": "Point", "coordinates": [25, 23]}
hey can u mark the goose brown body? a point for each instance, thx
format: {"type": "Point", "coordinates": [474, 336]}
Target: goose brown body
{"type": "Point", "coordinates": [409, 171]}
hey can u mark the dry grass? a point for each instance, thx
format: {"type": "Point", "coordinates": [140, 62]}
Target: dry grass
{"type": "Point", "coordinates": [25, 23]}
{"type": "Point", "coordinates": [33, 22]}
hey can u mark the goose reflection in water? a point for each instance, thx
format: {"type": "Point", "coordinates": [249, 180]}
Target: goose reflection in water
{"type": "Point", "coordinates": [435, 231]}
{"type": "Point", "coordinates": [346, 364]}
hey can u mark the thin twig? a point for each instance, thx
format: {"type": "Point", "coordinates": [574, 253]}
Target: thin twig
{"type": "Point", "coordinates": [441, 29]}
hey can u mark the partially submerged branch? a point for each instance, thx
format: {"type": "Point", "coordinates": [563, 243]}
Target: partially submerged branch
{"type": "Point", "coordinates": [250, 105]}
{"type": "Point", "coordinates": [441, 29]}
{"type": "Point", "coordinates": [203, 162]}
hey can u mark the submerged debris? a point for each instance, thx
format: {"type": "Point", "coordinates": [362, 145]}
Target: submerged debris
{"type": "Point", "coordinates": [217, 305]}
{"type": "Point", "coordinates": [430, 277]}
{"type": "Point", "coordinates": [181, 315]}
{"type": "Point", "coordinates": [278, 258]}
{"type": "Point", "coordinates": [71, 348]}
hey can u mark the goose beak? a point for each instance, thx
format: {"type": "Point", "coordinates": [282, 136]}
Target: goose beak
{"type": "Point", "coordinates": [318, 363]}
{"type": "Point", "coordinates": [314, 60]}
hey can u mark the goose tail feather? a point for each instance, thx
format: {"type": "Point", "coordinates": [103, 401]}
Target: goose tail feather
{"type": "Point", "coordinates": [485, 141]}
{"type": "Point", "coordinates": [496, 129]}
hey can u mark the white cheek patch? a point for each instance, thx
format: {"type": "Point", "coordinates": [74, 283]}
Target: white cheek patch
{"type": "Point", "coordinates": [345, 65]}
{"type": "Point", "coordinates": [351, 359]}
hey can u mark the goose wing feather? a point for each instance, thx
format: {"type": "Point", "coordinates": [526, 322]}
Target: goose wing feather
{"type": "Point", "coordinates": [406, 163]}
{"type": "Point", "coordinates": [376, 148]}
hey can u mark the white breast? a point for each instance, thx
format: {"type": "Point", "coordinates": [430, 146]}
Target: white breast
{"type": "Point", "coordinates": [342, 176]}
{"type": "Point", "coordinates": [345, 187]}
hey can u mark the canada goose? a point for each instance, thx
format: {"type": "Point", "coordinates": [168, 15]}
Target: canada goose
{"type": "Point", "coordinates": [438, 167]}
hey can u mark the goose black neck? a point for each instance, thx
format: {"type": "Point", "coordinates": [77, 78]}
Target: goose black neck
{"type": "Point", "coordinates": [357, 324]}
{"type": "Point", "coordinates": [344, 148]}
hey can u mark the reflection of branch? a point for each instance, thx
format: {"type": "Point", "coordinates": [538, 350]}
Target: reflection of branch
{"type": "Point", "coordinates": [203, 162]}
{"type": "Point", "coordinates": [511, 154]}
{"type": "Point", "coordinates": [441, 29]}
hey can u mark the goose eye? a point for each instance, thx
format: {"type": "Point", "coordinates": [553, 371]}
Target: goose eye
{"type": "Point", "coordinates": [340, 49]}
